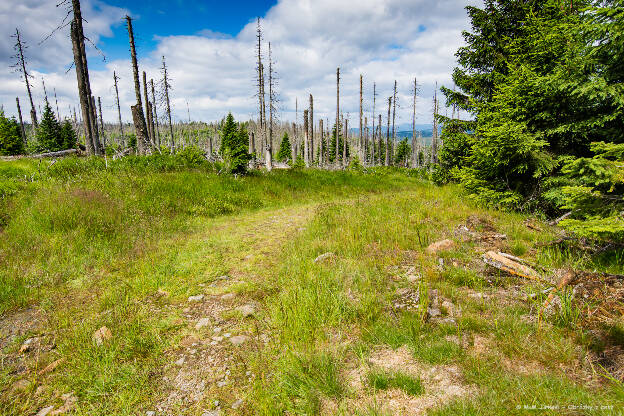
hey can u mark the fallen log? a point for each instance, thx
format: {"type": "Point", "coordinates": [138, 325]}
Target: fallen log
{"type": "Point", "coordinates": [515, 268]}
{"type": "Point", "coordinates": [565, 280]}
{"type": "Point", "coordinates": [561, 218]}
{"type": "Point", "coordinates": [61, 153]}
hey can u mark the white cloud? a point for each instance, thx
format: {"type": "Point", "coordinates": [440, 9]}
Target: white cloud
{"type": "Point", "coordinates": [381, 39]}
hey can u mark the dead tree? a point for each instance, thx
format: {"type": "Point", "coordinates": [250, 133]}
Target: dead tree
{"type": "Point", "coordinates": [102, 123]}
{"type": "Point", "coordinates": [306, 132]}
{"type": "Point", "coordinates": [414, 141]}
{"type": "Point", "coordinates": [394, 102]}
{"type": "Point", "coordinates": [138, 117]}
{"type": "Point", "coordinates": [261, 94]}
{"type": "Point", "coordinates": [19, 113]}
{"type": "Point", "coordinates": [20, 66]}
{"type": "Point", "coordinates": [337, 113]}
{"type": "Point", "coordinates": [387, 161]}
{"type": "Point", "coordinates": [321, 145]}
{"type": "Point", "coordinates": [84, 84]}
{"type": "Point", "coordinates": [434, 139]}
{"type": "Point", "coordinates": [58, 113]}
{"type": "Point", "coordinates": [374, 136]}
{"type": "Point", "coordinates": [344, 141]}
{"type": "Point", "coordinates": [115, 78]}
{"type": "Point", "coordinates": [380, 141]}
{"type": "Point", "coordinates": [269, 144]}
{"type": "Point", "coordinates": [155, 113]}
{"type": "Point", "coordinates": [361, 145]}
{"type": "Point", "coordinates": [148, 111]}
{"type": "Point", "coordinates": [165, 89]}
{"type": "Point", "coordinates": [311, 121]}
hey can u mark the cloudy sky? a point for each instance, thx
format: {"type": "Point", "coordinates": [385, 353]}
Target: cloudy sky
{"type": "Point", "coordinates": [210, 52]}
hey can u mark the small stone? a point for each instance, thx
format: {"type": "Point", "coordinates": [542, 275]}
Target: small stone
{"type": "Point", "coordinates": [238, 403]}
{"type": "Point", "coordinates": [202, 323]}
{"type": "Point", "coordinates": [246, 310]}
{"type": "Point", "coordinates": [186, 310]}
{"type": "Point", "coordinates": [216, 329]}
{"type": "Point", "coordinates": [212, 412]}
{"type": "Point", "coordinates": [413, 278]}
{"type": "Point", "coordinates": [162, 293]}
{"type": "Point", "coordinates": [150, 413]}
{"type": "Point", "coordinates": [239, 340]}
{"type": "Point", "coordinates": [442, 245]}
{"type": "Point", "coordinates": [324, 257]}
{"type": "Point", "coordinates": [217, 339]}
{"type": "Point", "coordinates": [221, 383]}
{"type": "Point", "coordinates": [102, 335]}
{"type": "Point", "coordinates": [45, 411]}
{"type": "Point", "coordinates": [27, 345]}
{"type": "Point", "coordinates": [228, 296]}
{"type": "Point", "coordinates": [196, 298]}
{"type": "Point", "coordinates": [433, 312]}
{"type": "Point", "coordinates": [227, 335]}
{"type": "Point", "coordinates": [180, 362]}
{"type": "Point", "coordinates": [20, 385]}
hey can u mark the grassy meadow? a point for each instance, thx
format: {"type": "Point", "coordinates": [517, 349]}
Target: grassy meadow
{"type": "Point", "coordinates": [217, 301]}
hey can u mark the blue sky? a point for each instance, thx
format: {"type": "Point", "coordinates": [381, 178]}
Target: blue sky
{"type": "Point", "coordinates": [210, 51]}
{"type": "Point", "coordinates": [160, 18]}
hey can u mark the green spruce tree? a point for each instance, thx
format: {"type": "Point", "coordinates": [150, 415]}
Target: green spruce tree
{"type": "Point", "coordinates": [234, 146]}
{"type": "Point", "coordinates": [49, 132]}
{"type": "Point", "coordinates": [68, 136]}
{"type": "Point", "coordinates": [11, 142]}
{"type": "Point", "coordinates": [285, 151]}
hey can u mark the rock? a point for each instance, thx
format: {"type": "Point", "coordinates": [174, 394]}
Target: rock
{"type": "Point", "coordinates": [102, 335]}
{"type": "Point", "coordinates": [228, 296]}
{"type": "Point", "coordinates": [70, 401]}
{"type": "Point", "coordinates": [412, 278]}
{"type": "Point", "coordinates": [217, 339]}
{"type": "Point", "coordinates": [27, 345]}
{"type": "Point", "coordinates": [150, 413]}
{"type": "Point", "coordinates": [442, 245]}
{"type": "Point", "coordinates": [450, 307]}
{"type": "Point", "coordinates": [246, 310]}
{"type": "Point", "coordinates": [324, 257]}
{"type": "Point", "coordinates": [221, 383]}
{"type": "Point", "coordinates": [216, 329]}
{"type": "Point", "coordinates": [212, 413]}
{"type": "Point", "coordinates": [196, 298]}
{"type": "Point", "coordinates": [238, 403]}
{"type": "Point", "coordinates": [433, 312]}
{"type": "Point", "coordinates": [52, 366]}
{"type": "Point", "coordinates": [45, 411]}
{"type": "Point", "coordinates": [180, 362]}
{"type": "Point", "coordinates": [20, 385]}
{"type": "Point", "coordinates": [202, 323]}
{"type": "Point", "coordinates": [162, 293]}
{"type": "Point", "coordinates": [239, 340]}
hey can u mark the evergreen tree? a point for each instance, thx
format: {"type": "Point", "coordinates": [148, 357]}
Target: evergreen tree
{"type": "Point", "coordinates": [285, 150]}
{"type": "Point", "coordinates": [49, 132]}
{"type": "Point", "coordinates": [403, 153]}
{"type": "Point", "coordinates": [234, 146]}
{"type": "Point", "coordinates": [68, 136]}
{"type": "Point", "coordinates": [11, 142]}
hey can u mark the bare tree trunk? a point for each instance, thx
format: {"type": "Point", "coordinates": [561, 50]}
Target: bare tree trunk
{"type": "Point", "coordinates": [361, 144]}
{"type": "Point", "coordinates": [269, 145]}
{"type": "Point", "coordinates": [434, 147]}
{"type": "Point", "coordinates": [148, 110]}
{"type": "Point", "coordinates": [393, 119]}
{"type": "Point", "coordinates": [311, 124]}
{"type": "Point", "coordinates": [22, 63]}
{"type": "Point", "coordinates": [167, 102]}
{"type": "Point", "coordinates": [344, 142]}
{"type": "Point", "coordinates": [102, 124]}
{"type": "Point", "coordinates": [337, 113]}
{"type": "Point", "coordinates": [58, 113]}
{"type": "Point", "coordinates": [306, 150]}
{"type": "Point", "coordinates": [140, 125]}
{"type": "Point", "coordinates": [83, 92]}
{"type": "Point", "coordinates": [155, 113]}
{"type": "Point", "coordinates": [380, 141]}
{"type": "Point", "coordinates": [115, 78]}
{"type": "Point", "coordinates": [94, 126]}
{"type": "Point", "coordinates": [387, 161]}
{"type": "Point", "coordinates": [374, 131]}
{"type": "Point", "coordinates": [414, 141]}
{"type": "Point", "coordinates": [321, 144]}
{"type": "Point", "coordinates": [293, 143]}
{"type": "Point", "coordinates": [260, 88]}
{"type": "Point", "coordinates": [22, 130]}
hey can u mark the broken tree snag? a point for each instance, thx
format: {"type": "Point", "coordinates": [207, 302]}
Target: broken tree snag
{"type": "Point", "coordinates": [311, 125]}
{"type": "Point", "coordinates": [561, 218]}
{"type": "Point", "coordinates": [19, 112]}
{"type": "Point", "coordinates": [140, 128]}
{"type": "Point", "coordinates": [504, 263]}
{"type": "Point", "coordinates": [148, 111]}
{"type": "Point", "coordinates": [567, 278]}
{"type": "Point", "coordinates": [155, 115]}
{"type": "Point", "coordinates": [21, 65]}
{"type": "Point", "coordinates": [84, 97]}
{"type": "Point", "coordinates": [337, 114]}
{"type": "Point", "coordinates": [139, 125]}
{"type": "Point", "coordinates": [387, 161]}
{"type": "Point", "coordinates": [102, 124]}
{"type": "Point", "coordinates": [361, 142]}
{"type": "Point", "coordinates": [94, 127]}
{"type": "Point", "coordinates": [305, 138]}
